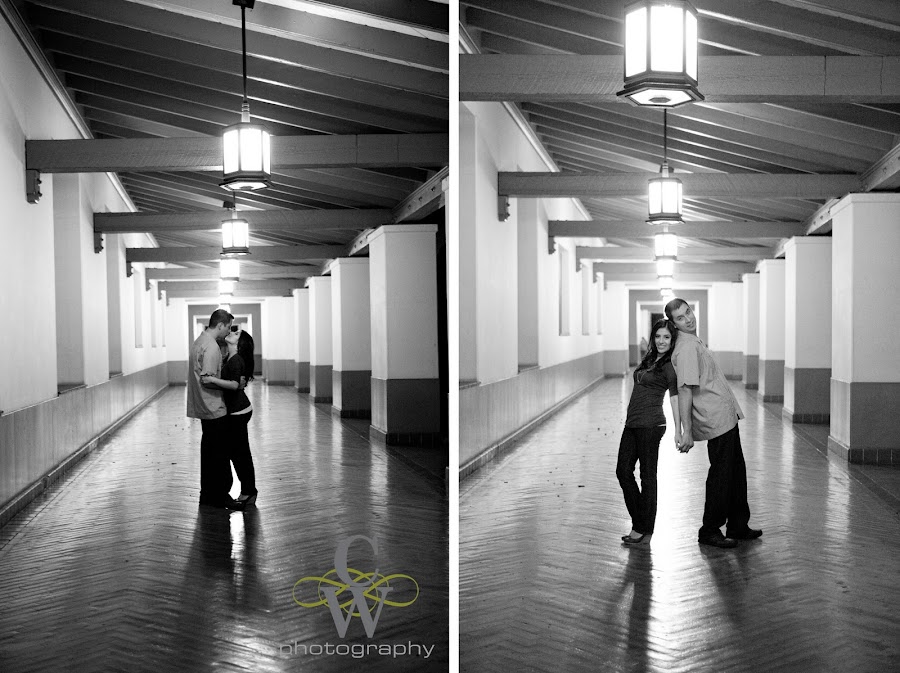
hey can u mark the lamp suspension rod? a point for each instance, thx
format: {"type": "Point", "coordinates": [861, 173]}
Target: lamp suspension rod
{"type": "Point", "coordinates": [244, 48]}
{"type": "Point", "coordinates": [665, 135]}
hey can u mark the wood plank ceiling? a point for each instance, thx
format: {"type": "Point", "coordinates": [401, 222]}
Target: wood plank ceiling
{"type": "Point", "coordinates": [151, 69]}
{"type": "Point", "coordinates": [809, 136]}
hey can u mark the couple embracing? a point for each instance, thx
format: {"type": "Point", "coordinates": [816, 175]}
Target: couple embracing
{"type": "Point", "coordinates": [221, 366]}
{"type": "Point", "coordinates": [704, 409]}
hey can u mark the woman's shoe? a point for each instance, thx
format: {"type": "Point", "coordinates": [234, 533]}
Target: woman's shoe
{"type": "Point", "coordinates": [642, 541]}
{"type": "Point", "coordinates": [247, 499]}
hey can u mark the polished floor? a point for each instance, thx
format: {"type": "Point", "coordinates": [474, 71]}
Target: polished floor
{"type": "Point", "coordinates": [116, 568]}
{"type": "Point", "coordinates": [547, 585]}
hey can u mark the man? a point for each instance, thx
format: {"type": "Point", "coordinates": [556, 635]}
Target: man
{"type": "Point", "coordinates": [710, 412]}
{"type": "Point", "coordinates": [207, 403]}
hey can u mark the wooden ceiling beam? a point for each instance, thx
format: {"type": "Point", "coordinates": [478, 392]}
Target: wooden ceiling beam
{"type": "Point", "coordinates": [711, 185]}
{"type": "Point", "coordinates": [741, 253]}
{"type": "Point", "coordinates": [724, 79]}
{"type": "Point", "coordinates": [640, 229]}
{"type": "Point", "coordinates": [268, 220]}
{"type": "Point", "coordinates": [205, 154]}
{"type": "Point", "coordinates": [263, 253]}
{"type": "Point", "coordinates": [212, 273]}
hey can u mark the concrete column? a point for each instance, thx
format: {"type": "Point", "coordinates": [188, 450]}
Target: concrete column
{"type": "Point", "coordinates": [320, 339]}
{"type": "Point", "coordinates": [351, 338]}
{"type": "Point", "coordinates": [726, 311]}
{"type": "Point", "coordinates": [865, 370]}
{"type": "Point", "coordinates": [301, 365]}
{"type": "Point", "coordinates": [615, 325]}
{"type": "Point", "coordinates": [68, 264]}
{"type": "Point", "coordinates": [751, 330]}
{"type": "Point", "coordinates": [771, 330]}
{"type": "Point", "coordinates": [403, 294]}
{"type": "Point", "coordinates": [807, 340]}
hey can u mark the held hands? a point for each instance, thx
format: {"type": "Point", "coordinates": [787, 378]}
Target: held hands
{"type": "Point", "coordinates": [684, 443]}
{"type": "Point", "coordinates": [243, 383]}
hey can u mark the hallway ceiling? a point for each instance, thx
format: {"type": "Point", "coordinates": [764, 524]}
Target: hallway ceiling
{"type": "Point", "coordinates": [153, 69]}
{"type": "Point", "coordinates": [847, 135]}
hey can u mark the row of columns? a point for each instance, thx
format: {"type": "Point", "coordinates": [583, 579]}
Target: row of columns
{"type": "Point", "coordinates": [369, 336]}
{"type": "Point", "coordinates": [821, 326]}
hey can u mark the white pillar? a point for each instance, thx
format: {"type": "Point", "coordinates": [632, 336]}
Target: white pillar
{"type": "Point", "coordinates": [614, 321]}
{"type": "Point", "coordinates": [320, 341]}
{"type": "Point", "coordinates": [403, 290]}
{"type": "Point", "coordinates": [280, 351]}
{"type": "Point", "coordinates": [751, 330]}
{"type": "Point", "coordinates": [351, 338]}
{"type": "Point", "coordinates": [807, 341]}
{"type": "Point", "coordinates": [865, 376]}
{"type": "Point", "coordinates": [725, 318]}
{"type": "Point", "coordinates": [771, 330]}
{"type": "Point", "coordinates": [69, 301]}
{"type": "Point", "coordinates": [301, 365]}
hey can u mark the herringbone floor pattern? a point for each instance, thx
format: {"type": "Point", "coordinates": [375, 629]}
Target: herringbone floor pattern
{"type": "Point", "coordinates": [116, 568]}
{"type": "Point", "coordinates": [546, 584]}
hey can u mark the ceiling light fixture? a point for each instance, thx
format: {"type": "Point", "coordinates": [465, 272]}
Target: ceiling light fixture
{"type": "Point", "coordinates": [661, 53]}
{"type": "Point", "coordinates": [246, 146]}
{"type": "Point", "coordinates": [235, 234]}
{"type": "Point", "coordinates": [665, 193]}
{"type": "Point", "coordinates": [229, 269]}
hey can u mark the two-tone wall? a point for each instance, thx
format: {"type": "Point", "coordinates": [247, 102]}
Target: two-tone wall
{"type": "Point", "coordinates": [84, 341]}
{"type": "Point", "coordinates": [530, 321]}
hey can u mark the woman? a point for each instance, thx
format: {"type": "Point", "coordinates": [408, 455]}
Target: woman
{"type": "Point", "coordinates": [239, 364]}
{"type": "Point", "coordinates": [645, 424]}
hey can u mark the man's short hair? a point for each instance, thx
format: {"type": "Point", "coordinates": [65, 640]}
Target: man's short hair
{"type": "Point", "coordinates": [220, 315]}
{"type": "Point", "coordinates": [674, 305]}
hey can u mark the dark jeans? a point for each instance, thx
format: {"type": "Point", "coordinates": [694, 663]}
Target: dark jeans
{"type": "Point", "coordinates": [239, 452]}
{"type": "Point", "coordinates": [726, 486]}
{"type": "Point", "coordinates": [215, 471]}
{"type": "Point", "coordinates": [640, 445]}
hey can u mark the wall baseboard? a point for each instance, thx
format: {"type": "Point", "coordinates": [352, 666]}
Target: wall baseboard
{"type": "Point", "coordinates": [60, 409]}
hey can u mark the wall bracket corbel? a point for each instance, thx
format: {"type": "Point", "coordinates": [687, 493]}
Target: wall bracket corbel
{"type": "Point", "coordinates": [32, 185]}
{"type": "Point", "coordinates": [551, 245]}
{"type": "Point", "coordinates": [502, 208]}
{"type": "Point", "coordinates": [98, 242]}
{"type": "Point", "coordinates": [129, 271]}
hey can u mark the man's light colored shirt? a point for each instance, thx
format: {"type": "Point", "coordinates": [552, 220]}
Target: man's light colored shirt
{"type": "Point", "coordinates": [715, 411]}
{"type": "Point", "coordinates": [206, 358]}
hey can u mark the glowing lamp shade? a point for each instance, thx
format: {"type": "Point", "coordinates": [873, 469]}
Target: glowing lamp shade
{"type": "Point", "coordinates": [229, 269]}
{"type": "Point", "coordinates": [664, 205]}
{"type": "Point", "coordinates": [661, 53]}
{"type": "Point", "coordinates": [667, 294]}
{"type": "Point", "coordinates": [665, 283]}
{"type": "Point", "coordinates": [235, 237]}
{"type": "Point", "coordinates": [665, 246]}
{"type": "Point", "coordinates": [665, 267]}
{"type": "Point", "coordinates": [224, 305]}
{"type": "Point", "coordinates": [226, 288]}
{"type": "Point", "coordinates": [247, 151]}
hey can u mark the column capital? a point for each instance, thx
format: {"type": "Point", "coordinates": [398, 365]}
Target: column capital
{"type": "Point", "coordinates": [807, 241]}
{"type": "Point", "coordinates": [403, 229]}
{"type": "Point", "coordinates": [349, 261]}
{"type": "Point", "coordinates": [770, 263]}
{"type": "Point", "coordinates": [868, 198]}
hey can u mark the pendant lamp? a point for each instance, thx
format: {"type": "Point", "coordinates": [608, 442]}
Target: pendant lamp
{"type": "Point", "coordinates": [246, 146]}
{"type": "Point", "coordinates": [661, 53]}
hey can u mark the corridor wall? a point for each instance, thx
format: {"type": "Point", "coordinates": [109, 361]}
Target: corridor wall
{"type": "Point", "coordinates": [70, 374]}
{"type": "Point", "coordinates": [726, 331]}
{"type": "Point", "coordinates": [525, 345]}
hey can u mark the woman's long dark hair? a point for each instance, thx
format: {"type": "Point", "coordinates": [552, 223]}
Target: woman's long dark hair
{"type": "Point", "coordinates": [649, 360]}
{"type": "Point", "coordinates": [245, 350]}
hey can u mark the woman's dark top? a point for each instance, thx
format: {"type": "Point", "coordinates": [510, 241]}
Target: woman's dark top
{"type": "Point", "coordinates": [232, 370]}
{"type": "Point", "coordinates": [650, 385]}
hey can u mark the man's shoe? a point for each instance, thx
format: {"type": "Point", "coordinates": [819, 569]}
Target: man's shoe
{"type": "Point", "coordinates": [749, 534]}
{"type": "Point", "coordinates": [225, 503]}
{"type": "Point", "coordinates": [247, 499]}
{"type": "Point", "coordinates": [718, 541]}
